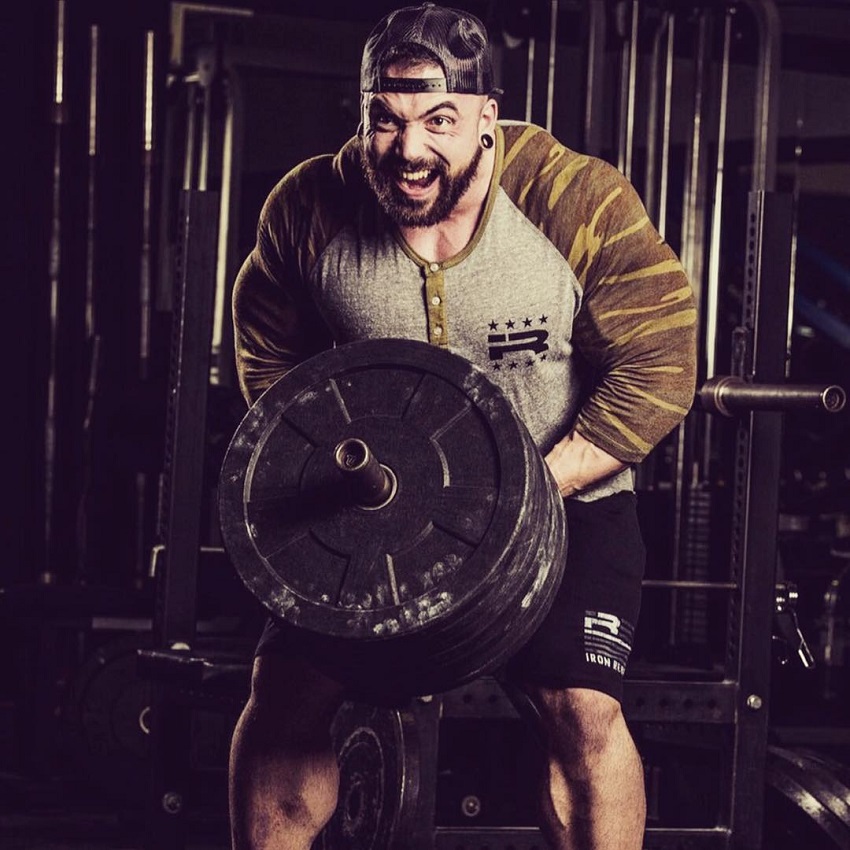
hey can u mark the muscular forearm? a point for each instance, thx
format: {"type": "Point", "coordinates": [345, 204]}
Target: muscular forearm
{"type": "Point", "coordinates": [576, 463]}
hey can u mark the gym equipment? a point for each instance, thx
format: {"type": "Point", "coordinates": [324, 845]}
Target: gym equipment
{"type": "Point", "coordinates": [384, 498]}
{"type": "Point", "coordinates": [106, 720]}
{"type": "Point", "coordinates": [381, 754]}
{"type": "Point", "coordinates": [808, 800]}
{"type": "Point", "coordinates": [378, 754]}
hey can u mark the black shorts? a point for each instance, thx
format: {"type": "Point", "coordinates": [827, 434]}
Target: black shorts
{"type": "Point", "coordinates": [586, 638]}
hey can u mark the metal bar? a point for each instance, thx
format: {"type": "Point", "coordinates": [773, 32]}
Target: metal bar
{"type": "Point", "coordinates": [191, 131]}
{"type": "Point", "coordinates": [553, 50]}
{"type": "Point", "coordinates": [792, 284]}
{"type": "Point", "coordinates": [176, 610]}
{"type": "Point", "coordinates": [623, 101]}
{"type": "Point", "coordinates": [91, 221]}
{"type": "Point", "coordinates": [632, 93]}
{"type": "Point", "coordinates": [529, 79]}
{"type": "Point", "coordinates": [680, 486]}
{"type": "Point", "coordinates": [189, 390]}
{"type": "Point", "coordinates": [666, 125]}
{"type": "Point", "coordinates": [650, 196]}
{"type": "Point", "coordinates": [594, 77]}
{"type": "Point", "coordinates": [644, 700]}
{"type": "Point", "coordinates": [692, 252]}
{"type": "Point", "coordinates": [712, 297]}
{"type": "Point", "coordinates": [205, 133]}
{"type": "Point", "coordinates": [178, 23]}
{"type": "Point", "coordinates": [766, 126]}
{"type": "Point", "coordinates": [426, 716]}
{"type": "Point", "coordinates": [89, 312]}
{"type": "Point", "coordinates": [657, 838]}
{"type": "Point", "coordinates": [54, 271]}
{"type": "Point", "coordinates": [691, 527]}
{"type": "Point", "coordinates": [222, 270]}
{"type": "Point", "coordinates": [531, 838]}
{"type": "Point", "coordinates": [713, 283]}
{"type": "Point", "coordinates": [680, 702]}
{"type": "Point", "coordinates": [145, 285]}
{"type": "Point", "coordinates": [727, 395]}
{"type": "Point", "coordinates": [689, 585]}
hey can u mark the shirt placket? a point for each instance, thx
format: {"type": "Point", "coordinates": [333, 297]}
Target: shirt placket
{"type": "Point", "coordinates": [435, 297]}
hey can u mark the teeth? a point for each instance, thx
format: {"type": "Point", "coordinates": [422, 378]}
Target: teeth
{"type": "Point", "coordinates": [415, 175]}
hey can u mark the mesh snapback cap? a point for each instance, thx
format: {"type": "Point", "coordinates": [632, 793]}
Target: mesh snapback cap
{"type": "Point", "coordinates": [457, 39]}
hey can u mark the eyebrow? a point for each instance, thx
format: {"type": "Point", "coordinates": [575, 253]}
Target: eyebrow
{"type": "Point", "coordinates": [446, 104]}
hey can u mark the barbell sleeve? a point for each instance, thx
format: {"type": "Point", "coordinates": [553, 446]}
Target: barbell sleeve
{"type": "Point", "coordinates": [728, 395]}
{"type": "Point", "coordinates": [370, 484]}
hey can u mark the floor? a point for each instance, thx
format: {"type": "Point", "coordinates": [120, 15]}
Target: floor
{"type": "Point", "coordinates": [66, 815]}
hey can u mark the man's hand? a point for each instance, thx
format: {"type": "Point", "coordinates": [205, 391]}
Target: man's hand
{"type": "Point", "coordinates": [576, 464]}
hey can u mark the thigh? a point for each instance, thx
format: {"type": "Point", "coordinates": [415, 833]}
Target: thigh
{"type": "Point", "coordinates": [586, 638]}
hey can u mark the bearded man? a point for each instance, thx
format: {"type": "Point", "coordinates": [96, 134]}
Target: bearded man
{"type": "Point", "coordinates": [440, 223]}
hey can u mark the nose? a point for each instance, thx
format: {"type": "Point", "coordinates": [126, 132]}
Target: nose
{"type": "Point", "coordinates": [410, 142]}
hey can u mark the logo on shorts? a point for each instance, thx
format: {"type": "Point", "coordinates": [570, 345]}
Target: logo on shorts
{"type": "Point", "coordinates": [607, 640]}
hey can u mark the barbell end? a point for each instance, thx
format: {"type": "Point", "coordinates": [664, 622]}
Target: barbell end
{"type": "Point", "coordinates": [833, 399]}
{"type": "Point", "coordinates": [372, 485]}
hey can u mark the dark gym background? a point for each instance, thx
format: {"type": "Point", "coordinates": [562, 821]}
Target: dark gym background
{"type": "Point", "coordinates": [91, 282]}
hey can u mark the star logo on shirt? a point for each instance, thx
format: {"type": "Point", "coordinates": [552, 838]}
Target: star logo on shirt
{"type": "Point", "coordinates": [516, 349]}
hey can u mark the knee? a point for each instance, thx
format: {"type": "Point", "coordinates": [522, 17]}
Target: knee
{"type": "Point", "coordinates": [290, 700]}
{"type": "Point", "coordinates": [281, 680]}
{"type": "Point", "coordinates": [579, 724]}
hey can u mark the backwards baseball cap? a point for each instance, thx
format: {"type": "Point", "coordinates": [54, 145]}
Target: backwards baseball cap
{"type": "Point", "coordinates": [457, 40]}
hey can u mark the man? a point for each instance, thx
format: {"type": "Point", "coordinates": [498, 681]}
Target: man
{"type": "Point", "coordinates": [538, 264]}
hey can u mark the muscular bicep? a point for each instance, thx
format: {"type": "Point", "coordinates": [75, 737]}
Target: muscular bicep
{"type": "Point", "coordinates": [274, 328]}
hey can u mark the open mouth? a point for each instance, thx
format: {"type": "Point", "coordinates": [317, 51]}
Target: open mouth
{"type": "Point", "coordinates": [417, 180]}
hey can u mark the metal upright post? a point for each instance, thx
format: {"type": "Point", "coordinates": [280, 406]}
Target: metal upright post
{"type": "Point", "coordinates": [180, 521]}
{"type": "Point", "coordinates": [759, 354]}
{"type": "Point", "coordinates": [177, 585]}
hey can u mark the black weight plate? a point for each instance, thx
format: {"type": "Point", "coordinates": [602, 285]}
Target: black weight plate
{"type": "Point", "coordinates": [461, 458]}
{"type": "Point", "coordinates": [478, 639]}
{"type": "Point", "coordinates": [105, 718]}
{"type": "Point", "coordinates": [819, 780]}
{"type": "Point", "coordinates": [377, 751]}
{"type": "Point", "coordinates": [801, 807]}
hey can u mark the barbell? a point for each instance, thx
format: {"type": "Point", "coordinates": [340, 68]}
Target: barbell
{"type": "Point", "coordinates": [384, 498]}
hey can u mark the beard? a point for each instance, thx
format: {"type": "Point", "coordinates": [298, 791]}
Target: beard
{"type": "Point", "coordinates": [411, 212]}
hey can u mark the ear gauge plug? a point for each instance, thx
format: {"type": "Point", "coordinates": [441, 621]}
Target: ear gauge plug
{"type": "Point", "coordinates": [487, 141]}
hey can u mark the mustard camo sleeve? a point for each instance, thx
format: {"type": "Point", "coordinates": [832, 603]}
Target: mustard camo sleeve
{"type": "Point", "coordinates": [636, 326]}
{"type": "Point", "coordinates": [276, 323]}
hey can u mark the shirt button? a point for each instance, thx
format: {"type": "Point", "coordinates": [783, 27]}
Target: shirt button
{"type": "Point", "coordinates": [438, 331]}
{"type": "Point", "coordinates": [435, 267]}
{"type": "Point", "coordinates": [435, 300]}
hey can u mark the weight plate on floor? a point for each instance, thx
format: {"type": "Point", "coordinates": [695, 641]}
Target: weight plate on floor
{"type": "Point", "coordinates": [377, 751]}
